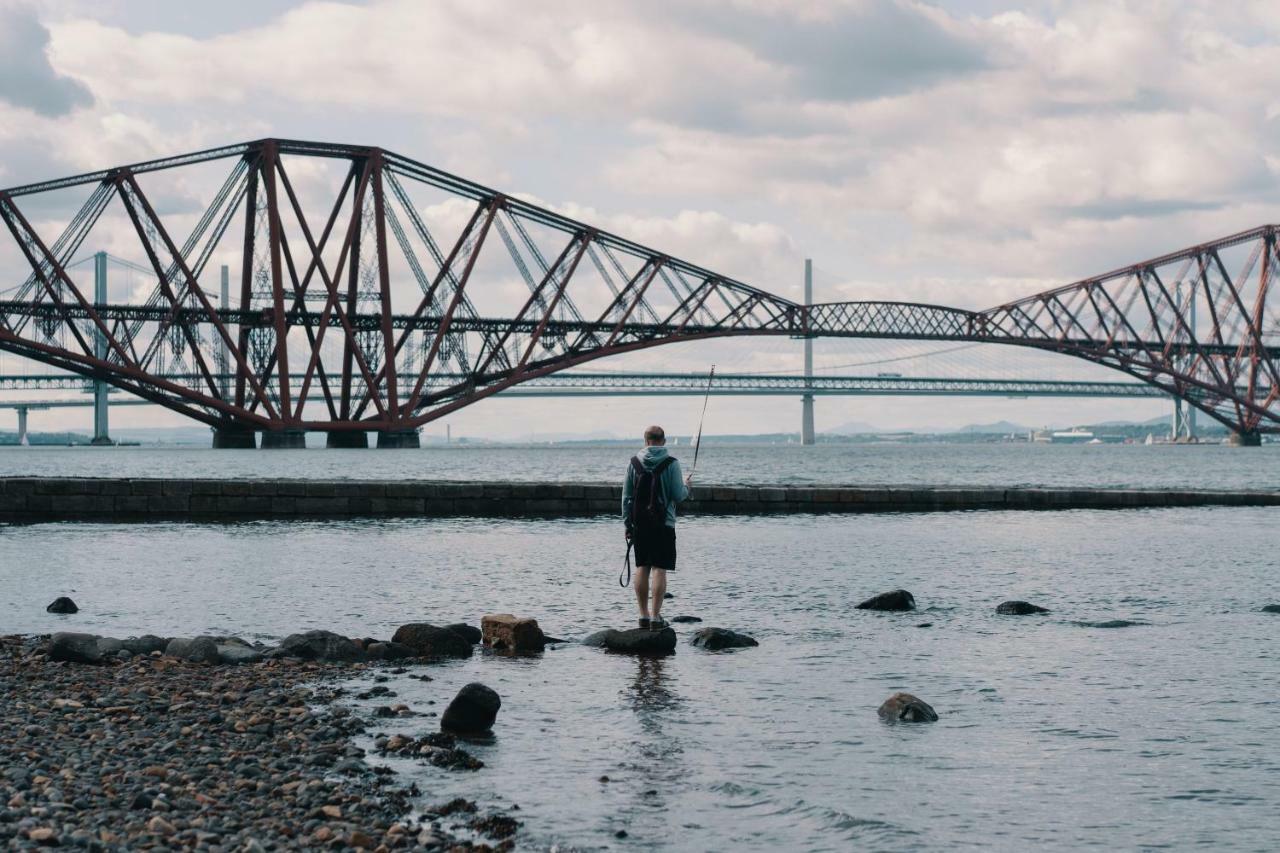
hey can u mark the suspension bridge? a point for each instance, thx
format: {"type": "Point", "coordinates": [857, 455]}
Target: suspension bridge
{"type": "Point", "coordinates": [373, 297]}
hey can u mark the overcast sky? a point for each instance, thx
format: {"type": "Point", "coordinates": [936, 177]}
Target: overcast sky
{"type": "Point", "coordinates": [954, 152]}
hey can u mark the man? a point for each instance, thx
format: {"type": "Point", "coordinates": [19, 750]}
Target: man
{"type": "Point", "coordinates": [650, 491]}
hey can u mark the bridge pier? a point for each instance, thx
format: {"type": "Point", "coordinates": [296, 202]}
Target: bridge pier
{"type": "Point", "coordinates": [1253, 438]}
{"type": "Point", "coordinates": [807, 436]}
{"type": "Point", "coordinates": [346, 440]}
{"type": "Point", "coordinates": [22, 426]}
{"type": "Point", "coordinates": [101, 437]}
{"type": "Point", "coordinates": [399, 439]}
{"type": "Point", "coordinates": [284, 439]}
{"type": "Point", "coordinates": [233, 438]}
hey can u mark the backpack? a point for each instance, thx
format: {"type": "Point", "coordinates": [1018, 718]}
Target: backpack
{"type": "Point", "coordinates": [648, 498]}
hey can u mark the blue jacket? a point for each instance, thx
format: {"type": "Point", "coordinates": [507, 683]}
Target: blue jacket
{"type": "Point", "coordinates": [672, 482]}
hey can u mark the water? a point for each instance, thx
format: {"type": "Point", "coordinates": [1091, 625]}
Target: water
{"type": "Point", "coordinates": [1120, 466]}
{"type": "Point", "coordinates": [1052, 734]}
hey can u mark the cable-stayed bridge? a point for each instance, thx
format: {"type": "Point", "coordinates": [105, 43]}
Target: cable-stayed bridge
{"type": "Point", "coordinates": [377, 294]}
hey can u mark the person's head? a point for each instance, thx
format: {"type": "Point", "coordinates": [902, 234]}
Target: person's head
{"type": "Point", "coordinates": [654, 437]}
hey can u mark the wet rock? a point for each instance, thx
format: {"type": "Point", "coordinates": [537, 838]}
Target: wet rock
{"type": "Point", "coordinates": [1019, 608]}
{"type": "Point", "coordinates": [432, 641]}
{"type": "Point", "coordinates": [146, 644]}
{"type": "Point", "coordinates": [62, 604]}
{"type": "Point", "coordinates": [472, 711]}
{"type": "Point", "coordinates": [897, 600]}
{"type": "Point", "coordinates": [1110, 623]}
{"type": "Point", "coordinates": [318, 645]}
{"type": "Point", "coordinates": [235, 655]}
{"type": "Point", "coordinates": [715, 639]}
{"type": "Point", "coordinates": [905, 708]}
{"type": "Point", "coordinates": [388, 651]}
{"type": "Point", "coordinates": [683, 620]}
{"type": "Point", "coordinates": [195, 649]}
{"type": "Point", "coordinates": [109, 646]}
{"type": "Point", "coordinates": [668, 595]}
{"type": "Point", "coordinates": [512, 633]}
{"type": "Point", "coordinates": [470, 633]}
{"type": "Point", "coordinates": [74, 648]}
{"type": "Point", "coordinates": [599, 639]}
{"type": "Point", "coordinates": [642, 641]}
{"type": "Point", "coordinates": [496, 826]}
{"type": "Point", "coordinates": [1271, 608]}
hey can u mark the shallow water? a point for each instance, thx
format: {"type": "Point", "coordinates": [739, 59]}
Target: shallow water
{"type": "Point", "coordinates": [1120, 466]}
{"type": "Point", "coordinates": [1052, 733]}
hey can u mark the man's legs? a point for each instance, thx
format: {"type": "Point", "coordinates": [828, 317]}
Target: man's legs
{"type": "Point", "coordinates": [659, 591]}
{"type": "Point", "coordinates": [642, 589]}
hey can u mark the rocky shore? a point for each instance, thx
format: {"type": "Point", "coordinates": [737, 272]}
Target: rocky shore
{"type": "Point", "coordinates": [150, 750]}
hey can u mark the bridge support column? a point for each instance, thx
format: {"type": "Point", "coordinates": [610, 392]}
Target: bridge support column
{"type": "Point", "coordinates": [806, 402]}
{"type": "Point", "coordinates": [1245, 439]}
{"type": "Point", "coordinates": [233, 438]}
{"type": "Point", "coordinates": [347, 440]}
{"type": "Point", "coordinates": [806, 420]}
{"type": "Point", "coordinates": [22, 426]}
{"type": "Point", "coordinates": [284, 439]}
{"type": "Point", "coordinates": [399, 439]}
{"type": "Point", "coordinates": [100, 434]}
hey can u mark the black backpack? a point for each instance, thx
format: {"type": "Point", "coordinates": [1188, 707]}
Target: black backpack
{"type": "Point", "coordinates": [648, 499]}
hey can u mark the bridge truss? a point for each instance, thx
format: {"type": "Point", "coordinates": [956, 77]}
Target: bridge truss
{"type": "Point", "coordinates": [376, 293]}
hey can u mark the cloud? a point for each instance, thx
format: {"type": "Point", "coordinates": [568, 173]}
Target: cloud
{"type": "Point", "coordinates": [27, 79]}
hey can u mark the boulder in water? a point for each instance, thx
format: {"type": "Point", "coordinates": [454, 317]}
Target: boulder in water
{"type": "Point", "coordinates": [641, 641]}
{"type": "Point", "coordinates": [470, 633]}
{"type": "Point", "coordinates": [512, 633]}
{"type": "Point", "coordinates": [146, 644]}
{"type": "Point", "coordinates": [432, 641]}
{"type": "Point", "coordinates": [1271, 608]}
{"type": "Point", "coordinates": [686, 619]}
{"type": "Point", "coordinates": [74, 648]}
{"type": "Point", "coordinates": [897, 600]}
{"type": "Point", "coordinates": [472, 711]}
{"type": "Point", "coordinates": [1019, 608]}
{"type": "Point", "coordinates": [62, 604]}
{"type": "Point", "coordinates": [905, 708]}
{"type": "Point", "coordinates": [318, 645]}
{"type": "Point", "coordinates": [388, 651]}
{"type": "Point", "coordinates": [236, 654]}
{"type": "Point", "coordinates": [599, 639]}
{"type": "Point", "coordinates": [194, 649]}
{"type": "Point", "coordinates": [1110, 623]}
{"type": "Point", "coordinates": [715, 639]}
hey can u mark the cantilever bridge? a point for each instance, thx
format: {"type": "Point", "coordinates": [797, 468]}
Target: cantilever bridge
{"type": "Point", "coordinates": [376, 294]}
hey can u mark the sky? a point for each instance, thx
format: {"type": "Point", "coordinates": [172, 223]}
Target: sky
{"type": "Point", "coordinates": [962, 153]}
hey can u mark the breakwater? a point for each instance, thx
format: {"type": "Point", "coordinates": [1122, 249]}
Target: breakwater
{"type": "Point", "coordinates": [28, 499]}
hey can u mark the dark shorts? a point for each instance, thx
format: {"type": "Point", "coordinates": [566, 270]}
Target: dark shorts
{"type": "Point", "coordinates": [656, 548]}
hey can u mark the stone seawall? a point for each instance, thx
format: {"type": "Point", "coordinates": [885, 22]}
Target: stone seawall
{"type": "Point", "coordinates": [26, 499]}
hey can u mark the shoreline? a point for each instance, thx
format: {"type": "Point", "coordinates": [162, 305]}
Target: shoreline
{"type": "Point", "coordinates": [40, 499]}
{"type": "Point", "coordinates": [155, 750]}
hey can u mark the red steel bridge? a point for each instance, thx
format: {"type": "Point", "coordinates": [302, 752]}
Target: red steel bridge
{"type": "Point", "coordinates": [376, 294]}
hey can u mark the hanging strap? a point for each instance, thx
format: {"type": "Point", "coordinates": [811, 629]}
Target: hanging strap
{"type": "Point", "coordinates": [626, 567]}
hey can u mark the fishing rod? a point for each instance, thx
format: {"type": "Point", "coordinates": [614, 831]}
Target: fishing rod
{"type": "Point", "coordinates": [697, 442]}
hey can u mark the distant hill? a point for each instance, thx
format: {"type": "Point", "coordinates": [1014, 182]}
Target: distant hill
{"type": "Point", "coordinates": [855, 428]}
{"type": "Point", "coordinates": [999, 427]}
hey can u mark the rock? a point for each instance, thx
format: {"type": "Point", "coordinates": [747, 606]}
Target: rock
{"type": "Point", "coordinates": [903, 707]}
{"type": "Point", "coordinates": [599, 639]}
{"type": "Point", "coordinates": [1271, 608]}
{"type": "Point", "coordinates": [642, 641]}
{"type": "Point", "coordinates": [62, 604]}
{"type": "Point", "coordinates": [159, 826]}
{"type": "Point", "coordinates": [470, 633]}
{"type": "Point", "coordinates": [432, 641]}
{"type": "Point", "coordinates": [1019, 608]}
{"type": "Point", "coordinates": [75, 648]}
{"type": "Point", "coordinates": [899, 599]}
{"type": "Point", "coordinates": [44, 834]}
{"type": "Point", "coordinates": [318, 645]}
{"type": "Point", "coordinates": [667, 595]}
{"type": "Point", "coordinates": [686, 619]}
{"type": "Point", "coordinates": [146, 644]}
{"type": "Point", "coordinates": [472, 711]}
{"type": "Point", "coordinates": [231, 653]}
{"type": "Point", "coordinates": [1110, 623]}
{"type": "Point", "coordinates": [109, 646]}
{"type": "Point", "coordinates": [196, 649]}
{"type": "Point", "coordinates": [714, 639]}
{"type": "Point", "coordinates": [513, 633]}
{"type": "Point", "coordinates": [388, 651]}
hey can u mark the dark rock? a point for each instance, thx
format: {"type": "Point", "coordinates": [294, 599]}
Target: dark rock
{"type": "Point", "coordinates": [897, 600]}
{"type": "Point", "coordinates": [714, 639]}
{"type": "Point", "coordinates": [512, 633]}
{"type": "Point", "coordinates": [903, 707]}
{"type": "Point", "coordinates": [318, 645]}
{"type": "Point", "coordinates": [432, 641]}
{"type": "Point", "coordinates": [194, 649]}
{"type": "Point", "coordinates": [470, 633]}
{"type": "Point", "coordinates": [925, 625]}
{"type": "Point", "coordinates": [496, 826]}
{"type": "Point", "coordinates": [1110, 623]}
{"type": "Point", "coordinates": [1271, 608]}
{"type": "Point", "coordinates": [642, 641]}
{"type": "Point", "coordinates": [388, 651]}
{"type": "Point", "coordinates": [599, 639]}
{"type": "Point", "coordinates": [667, 595]}
{"type": "Point", "coordinates": [1019, 608]}
{"type": "Point", "coordinates": [686, 619]}
{"type": "Point", "coordinates": [110, 646]}
{"type": "Point", "coordinates": [62, 604]}
{"type": "Point", "coordinates": [75, 648]}
{"type": "Point", "coordinates": [236, 654]}
{"type": "Point", "coordinates": [146, 644]}
{"type": "Point", "coordinates": [472, 711]}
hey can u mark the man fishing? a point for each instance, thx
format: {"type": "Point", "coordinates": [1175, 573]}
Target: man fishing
{"type": "Point", "coordinates": [650, 491]}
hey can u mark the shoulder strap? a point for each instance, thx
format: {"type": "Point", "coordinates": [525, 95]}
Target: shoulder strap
{"type": "Point", "coordinates": [637, 466]}
{"type": "Point", "coordinates": [663, 465]}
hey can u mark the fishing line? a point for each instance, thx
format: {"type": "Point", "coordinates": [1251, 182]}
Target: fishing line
{"type": "Point", "coordinates": [697, 442]}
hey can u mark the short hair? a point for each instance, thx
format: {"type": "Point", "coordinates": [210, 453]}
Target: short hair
{"type": "Point", "coordinates": [655, 434]}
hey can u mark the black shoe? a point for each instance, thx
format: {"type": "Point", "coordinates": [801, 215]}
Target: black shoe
{"type": "Point", "coordinates": [657, 624]}
{"type": "Point", "coordinates": [644, 622]}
